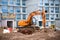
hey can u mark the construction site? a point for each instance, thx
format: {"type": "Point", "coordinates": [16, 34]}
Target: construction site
{"type": "Point", "coordinates": [37, 20]}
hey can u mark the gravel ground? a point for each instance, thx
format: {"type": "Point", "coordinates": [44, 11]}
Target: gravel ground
{"type": "Point", "coordinates": [49, 35]}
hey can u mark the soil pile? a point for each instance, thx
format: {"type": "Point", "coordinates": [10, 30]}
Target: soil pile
{"type": "Point", "coordinates": [41, 35]}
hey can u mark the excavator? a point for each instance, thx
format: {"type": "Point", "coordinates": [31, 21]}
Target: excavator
{"type": "Point", "coordinates": [26, 25]}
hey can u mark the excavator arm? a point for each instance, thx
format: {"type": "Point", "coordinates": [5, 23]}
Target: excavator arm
{"type": "Point", "coordinates": [23, 23]}
{"type": "Point", "coordinates": [44, 17]}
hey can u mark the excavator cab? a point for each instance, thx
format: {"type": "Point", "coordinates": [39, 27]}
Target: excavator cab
{"type": "Point", "coordinates": [37, 20]}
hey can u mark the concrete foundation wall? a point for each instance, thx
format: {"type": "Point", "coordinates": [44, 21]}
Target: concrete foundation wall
{"type": "Point", "coordinates": [4, 23]}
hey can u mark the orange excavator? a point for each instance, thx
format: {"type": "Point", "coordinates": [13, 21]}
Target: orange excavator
{"type": "Point", "coordinates": [27, 23]}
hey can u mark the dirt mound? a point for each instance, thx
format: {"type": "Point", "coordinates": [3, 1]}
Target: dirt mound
{"type": "Point", "coordinates": [48, 35]}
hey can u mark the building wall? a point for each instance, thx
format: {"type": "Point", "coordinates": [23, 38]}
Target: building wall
{"type": "Point", "coordinates": [32, 5]}
{"type": "Point", "coordinates": [51, 6]}
{"type": "Point", "coordinates": [15, 7]}
{"type": "Point", "coordinates": [22, 8]}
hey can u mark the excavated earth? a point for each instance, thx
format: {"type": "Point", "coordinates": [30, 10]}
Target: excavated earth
{"type": "Point", "coordinates": [38, 35]}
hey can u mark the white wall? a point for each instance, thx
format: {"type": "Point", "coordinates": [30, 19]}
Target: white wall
{"type": "Point", "coordinates": [4, 23]}
{"type": "Point", "coordinates": [32, 5]}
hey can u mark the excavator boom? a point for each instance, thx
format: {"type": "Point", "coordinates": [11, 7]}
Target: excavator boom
{"type": "Point", "coordinates": [27, 22]}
